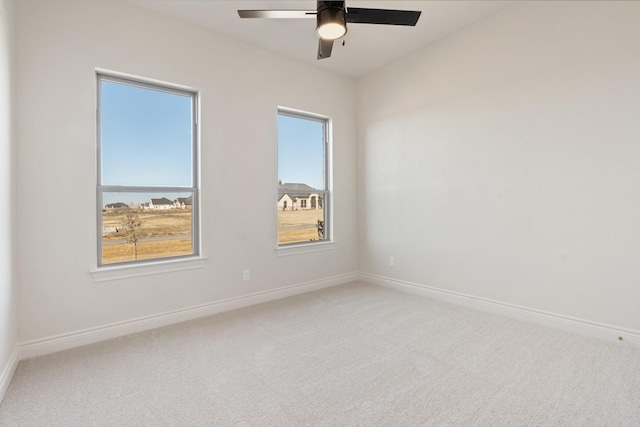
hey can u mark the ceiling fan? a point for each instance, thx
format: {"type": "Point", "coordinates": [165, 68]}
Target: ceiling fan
{"type": "Point", "coordinates": [332, 17]}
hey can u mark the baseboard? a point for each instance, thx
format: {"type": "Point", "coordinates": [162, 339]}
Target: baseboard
{"type": "Point", "coordinates": [39, 347]}
{"type": "Point", "coordinates": [620, 335]}
{"type": "Point", "coordinates": [70, 340]}
{"type": "Point", "coordinates": [7, 372]}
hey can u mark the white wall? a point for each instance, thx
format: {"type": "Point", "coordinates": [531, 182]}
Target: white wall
{"type": "Point", "coordinates": [59, 45]}
{"type": "Point", "coordinates": [8, 291]}
{"type": "Point", "coordinates": [500, 162]}
{"type": "Point", "coordinates": [503, 162]}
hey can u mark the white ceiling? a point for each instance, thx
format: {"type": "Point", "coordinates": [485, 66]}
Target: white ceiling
{"type": "Point", "coordinates": [368, 47]}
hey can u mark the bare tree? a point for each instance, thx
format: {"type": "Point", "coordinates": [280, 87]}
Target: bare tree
{"type": "Point", "coordinates": [132, 228]}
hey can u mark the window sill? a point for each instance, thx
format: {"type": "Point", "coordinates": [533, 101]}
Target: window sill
{"type": "Point", "coordinates": [104, 274]}
{"type": "Point", "coordinates": [305, 248]}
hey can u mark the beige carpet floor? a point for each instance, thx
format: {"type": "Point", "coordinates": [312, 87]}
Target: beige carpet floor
{"type": "Point", "coordinates": [353, 355]}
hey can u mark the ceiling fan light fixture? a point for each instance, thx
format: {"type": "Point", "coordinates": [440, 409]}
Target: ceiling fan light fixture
{"type": "Point", "coordinates": [331, 23]}
{"type": "Point", "coordinates": [331, 31]}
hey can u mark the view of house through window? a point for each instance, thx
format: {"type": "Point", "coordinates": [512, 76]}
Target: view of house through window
{"type": "Point", "coordinates": [303, 190]}
{"type": "Point", "coordinates": [147, 172]}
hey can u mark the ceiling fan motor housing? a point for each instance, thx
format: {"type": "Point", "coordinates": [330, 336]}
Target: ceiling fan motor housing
{"type": "Point", "coordinates": [331, 20]}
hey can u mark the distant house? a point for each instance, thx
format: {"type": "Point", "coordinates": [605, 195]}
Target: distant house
{"type": "Point", "coordinates": [183, 202]}
{"type": "Point", "coordinates": [297, 196]}
{"type": "Point", "coordinates": [285, 202]}
{"type": "Point", "coordinates": [160, 204]}
{"type": "Point", "coordinates": [118, 205]}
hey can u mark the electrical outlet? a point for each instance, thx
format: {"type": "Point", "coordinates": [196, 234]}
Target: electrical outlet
{"type": "Point", "coordinates": [246, 275]}
{"type": "Point", "coordinates": [392, 261]}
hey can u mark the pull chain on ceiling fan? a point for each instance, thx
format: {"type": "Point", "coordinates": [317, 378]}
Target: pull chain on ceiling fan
{"type": "Point", "coordinates": [332, 17]}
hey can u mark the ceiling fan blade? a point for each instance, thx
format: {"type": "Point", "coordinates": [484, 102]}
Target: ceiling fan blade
{"type": "Point", "coordinates": [277, 13]}
{"type": "Point", "coordinates": [330, 3]}
{"type": "Point", "coordinates": [324, 48]}
{"type": "Point", "coordinates": [359, 15]}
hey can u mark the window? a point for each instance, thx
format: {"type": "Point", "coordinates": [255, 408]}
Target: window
{"type": "Point", "coordinates": [303, 172]}
{"type": "Point", "coordinates": [147, 190]}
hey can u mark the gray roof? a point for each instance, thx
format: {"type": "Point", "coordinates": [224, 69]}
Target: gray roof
{"type": "Point", "coordinates": [163, 201]}
{"type": "Point", "coordinates": [117, 205]}
{"type": "Point", "coordinates": [185, 200]}
{"type": "Point", "coordinates": [296, 188]}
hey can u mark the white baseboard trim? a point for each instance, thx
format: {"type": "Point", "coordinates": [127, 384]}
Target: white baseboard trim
{"type": "Point", "coordinates": [39, 347]}
{"type": "Point", "coordinates": [53, 344]}
{"type": "Point", "coordinates": [566, 323]}
{"type": "Point", "coordinates": [7, 372]}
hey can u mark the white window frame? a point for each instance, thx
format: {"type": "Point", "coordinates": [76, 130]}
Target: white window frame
{"type": "Point", "coordinates": [328, 241]}
{"type": "Point", "coordinates": [133, 268]}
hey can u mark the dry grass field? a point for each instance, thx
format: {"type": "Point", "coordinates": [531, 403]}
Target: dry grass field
{"type": "Point", "coordinates": [157, 230]}
{"type": "Point", "coordinates": [163, 248]}
{"type": "Point", "coordinates": [298, 226]}
{"type": "Point", "coordinates": [168, 233]}
{"type": "Point", "coordinates": [160, 223]}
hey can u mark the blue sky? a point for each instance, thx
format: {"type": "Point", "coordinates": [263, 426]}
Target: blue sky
{"type": "Point", "coordinates": [146, 140]}
{"type": "Point", "coordinates": [146, 136]}
{"type": "Point", "coordinates": [300, 151]}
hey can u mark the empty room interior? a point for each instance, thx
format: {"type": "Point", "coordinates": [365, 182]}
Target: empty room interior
{"type": "Point", "coordinates": [461, 248]}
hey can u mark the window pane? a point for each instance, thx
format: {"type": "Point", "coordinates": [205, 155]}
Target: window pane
{"type": "Point", "coordinates": [302, 181]}
{"type": "Point", "coordinates": [145, 135]}
{"type": "Point", "coordinates": [138, 226]}
{"type": "Point", "coordinates": [301, 151]}
{"type": "Point", "coordinates": [300, 218]}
